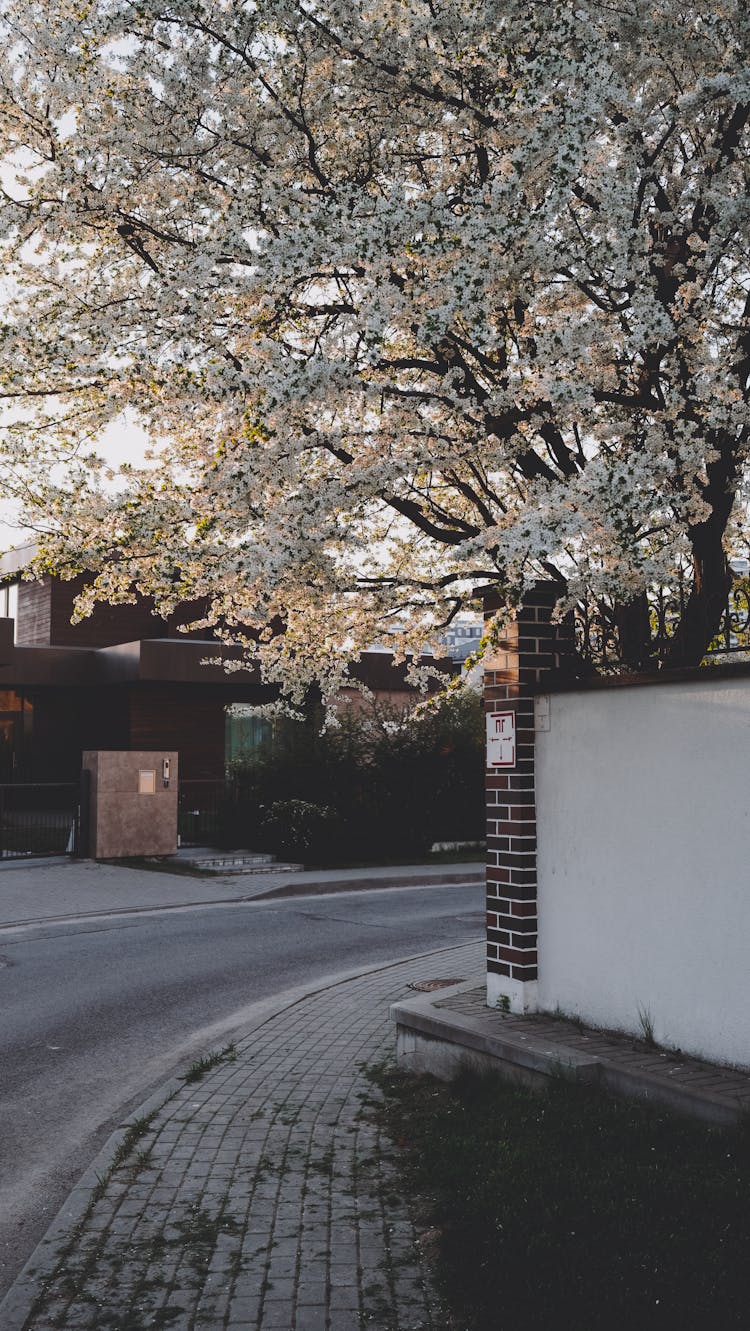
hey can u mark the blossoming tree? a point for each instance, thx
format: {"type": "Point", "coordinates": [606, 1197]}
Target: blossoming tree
{"type": "Point", "coordinates": [412, 297]}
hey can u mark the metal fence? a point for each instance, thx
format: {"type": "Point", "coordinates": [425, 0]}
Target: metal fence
{"type": "Point", "coordinates": [200, 810]}
{"type": "Point", "coordinates": [39, 819]}
{"type": "Point", "coordinates": [597, 636]}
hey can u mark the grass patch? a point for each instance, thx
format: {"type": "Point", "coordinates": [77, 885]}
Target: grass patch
{"type": "Point", "coordinates": [571, 1209]}
{"type": "Point", "coordinates": [137, 1129]}
{"type": "Point", "coordinates": [199, 1233]}
{"type": "Point", "coordinates": [141, 1160]}
{"type": "Point", "coordinates": [198, 1069]}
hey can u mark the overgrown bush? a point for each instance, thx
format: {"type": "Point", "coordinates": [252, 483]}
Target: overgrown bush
{"type": "Point", "coordinates": [298, 828]}
{"type": "Point", "coordinates": [378, 783]}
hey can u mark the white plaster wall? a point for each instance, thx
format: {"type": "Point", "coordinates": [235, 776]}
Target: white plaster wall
{"type": "Point", "coordinates": [643, 809]}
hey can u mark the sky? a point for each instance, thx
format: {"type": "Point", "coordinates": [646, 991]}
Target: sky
{"type": "Point", "coordinates": [123, 441]}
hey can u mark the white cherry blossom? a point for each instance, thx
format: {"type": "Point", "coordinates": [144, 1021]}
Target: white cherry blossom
{"type": "Point", "coordinates": [412, 298]}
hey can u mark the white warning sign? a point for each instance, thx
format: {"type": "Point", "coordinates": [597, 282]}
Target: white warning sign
{"type": "Point", "coordinates": [501, 739]}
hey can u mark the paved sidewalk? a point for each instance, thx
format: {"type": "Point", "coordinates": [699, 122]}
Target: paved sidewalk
{"type": "Point", "coordinates": [261, 1198]}
{"type": "Point", "coordinates": [31, 892]}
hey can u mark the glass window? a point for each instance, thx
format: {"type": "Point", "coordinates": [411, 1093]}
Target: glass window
{"type": "Point", "coordinates": [245, 735]}
{"type": "Point", "coordinates": [9, 603]}
{"type": "Point", "coordinates": [12, 611]}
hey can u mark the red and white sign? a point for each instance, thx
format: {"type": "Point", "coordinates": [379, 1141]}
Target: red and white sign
{"type": "Point", "coordinates": [501, 739]}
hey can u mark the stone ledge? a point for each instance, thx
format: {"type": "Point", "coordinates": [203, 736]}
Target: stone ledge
{"type": "Point", "coordinates": [426, 1033]}
{"type": "Point", "coordinates": [438, 1033]}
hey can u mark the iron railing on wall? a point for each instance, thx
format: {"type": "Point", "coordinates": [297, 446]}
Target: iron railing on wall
{"type": "Point", "coordinates": [39, 819]}
{"type": "Point", "coordinates": [596, 632]}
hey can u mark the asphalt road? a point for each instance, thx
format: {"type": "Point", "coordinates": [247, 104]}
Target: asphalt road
{"type": "Point", "coordinates": [95, 1013]}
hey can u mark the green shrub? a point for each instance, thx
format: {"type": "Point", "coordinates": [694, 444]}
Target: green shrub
{"type": "Point", "coordinates": [379, 783]}
{"type": "Point", "coordinates": [297, 828]}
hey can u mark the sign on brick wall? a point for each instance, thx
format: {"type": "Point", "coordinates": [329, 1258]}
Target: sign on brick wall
{"type": "Point", "coordinates": [501, 739]}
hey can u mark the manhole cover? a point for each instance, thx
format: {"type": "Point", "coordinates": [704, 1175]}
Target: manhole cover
{"type": "Point", "coordinates": [427, 986]}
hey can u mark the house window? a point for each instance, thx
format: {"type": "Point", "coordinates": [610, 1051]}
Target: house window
{"type": "Point", "coordinates": [245, 735]}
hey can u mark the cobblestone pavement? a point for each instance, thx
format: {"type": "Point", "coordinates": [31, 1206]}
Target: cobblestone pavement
{"type": "Point", "coordinates": [260, 1198]}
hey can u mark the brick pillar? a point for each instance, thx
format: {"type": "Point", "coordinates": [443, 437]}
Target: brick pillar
{"type": "Point", "coordinates": [514, 670]}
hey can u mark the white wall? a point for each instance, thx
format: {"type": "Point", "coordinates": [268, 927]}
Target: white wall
{"type": "Point", "coordinates": [643, 816]}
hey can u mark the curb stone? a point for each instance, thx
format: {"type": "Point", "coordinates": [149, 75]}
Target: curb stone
{"type": "Point", "coordinates": [262, 895]}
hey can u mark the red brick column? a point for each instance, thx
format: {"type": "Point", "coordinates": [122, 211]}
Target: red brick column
{"type": "Point", "coordinates": [514, 671]}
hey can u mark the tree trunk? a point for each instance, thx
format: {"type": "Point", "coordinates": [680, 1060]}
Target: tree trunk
{"type": "Point", "coordinates": [633, 623]}
{"type": "Point", "coordinates": [712, 578]}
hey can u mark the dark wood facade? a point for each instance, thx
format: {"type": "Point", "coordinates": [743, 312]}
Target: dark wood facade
{"type": "Point", "coordinates": [45, 613]}
{"type": "Point", "coordinates": [121, 679]}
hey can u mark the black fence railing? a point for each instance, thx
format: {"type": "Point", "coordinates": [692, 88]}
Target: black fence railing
{"type": "Point", "coordinates": [201, 809]}
{"type": "Point", "coordinates": [39, 820]}
{"type": "Point", "coordinates": [597, 634]}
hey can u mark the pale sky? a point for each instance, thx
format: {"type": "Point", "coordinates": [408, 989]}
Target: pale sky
{"type": "Point", "coordinates": [123, 441]}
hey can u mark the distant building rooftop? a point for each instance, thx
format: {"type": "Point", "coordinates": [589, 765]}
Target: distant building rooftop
{"type": "Point", "coordinates": [462, 638]}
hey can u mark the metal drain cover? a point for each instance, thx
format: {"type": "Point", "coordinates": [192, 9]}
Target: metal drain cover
{"type": "Point", "coordinates": [427, 986]}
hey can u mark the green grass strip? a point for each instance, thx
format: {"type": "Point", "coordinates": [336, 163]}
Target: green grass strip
{"type": "Point", "coordinates": [571, 1209]}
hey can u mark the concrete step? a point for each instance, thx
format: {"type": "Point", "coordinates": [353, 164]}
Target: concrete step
{"type": "Point", "coordinates": [238, 862]}
{"type": "Point", "coordinates": [443, 1032]}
